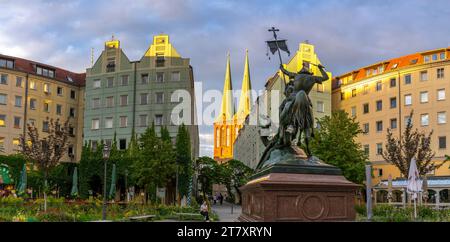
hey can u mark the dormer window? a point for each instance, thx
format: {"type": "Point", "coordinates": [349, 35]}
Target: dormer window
{"type": "Point", "coordinates": [69, 79]}
{"type": "Point", "coordinates": [394, 66]}
{"type": "Point", "coordinates": [5, 63]}
{"type": "Point", "coordinates": [45, 72]}
{"type": "Point", "coordinates": [413, 62]}
{"type": "Point", "coordinates": [160, 61]}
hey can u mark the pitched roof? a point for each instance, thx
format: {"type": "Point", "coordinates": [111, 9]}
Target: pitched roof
{"type": "Point", "coordinates": [391, 65]}
{"type": "Point", "coordinates": [62, 75]}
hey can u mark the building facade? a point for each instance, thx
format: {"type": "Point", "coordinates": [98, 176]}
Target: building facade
{"type": "Point", "coordinates": [123, 96]}
{"type": "Point", "coordinates": [32, 92]}
{"type": "Point", "coordinates": [382, 96]}
{"type": "Point", "coordinates": [268, 105]}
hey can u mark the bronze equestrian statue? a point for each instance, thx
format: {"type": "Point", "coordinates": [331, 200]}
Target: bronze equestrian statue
{"type": "Point", "coordinates": [296, 117]}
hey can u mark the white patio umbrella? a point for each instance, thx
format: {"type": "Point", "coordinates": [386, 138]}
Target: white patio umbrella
{"type": "Point", "coordinates": [414, 183]}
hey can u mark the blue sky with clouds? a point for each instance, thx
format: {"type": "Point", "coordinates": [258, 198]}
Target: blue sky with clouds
{"type": "Point", "coordinates": [347, 33]}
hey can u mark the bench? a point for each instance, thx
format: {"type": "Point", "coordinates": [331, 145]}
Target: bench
{"type": "Point", "coordinates": [190, 215]}
{"type": "Point", "coordinates": [143, 217]}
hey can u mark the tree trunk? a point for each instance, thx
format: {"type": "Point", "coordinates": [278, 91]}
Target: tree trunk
{"type": "Point", "coordinates": [45, 190]}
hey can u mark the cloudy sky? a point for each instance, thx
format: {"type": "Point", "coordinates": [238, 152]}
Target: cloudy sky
{"type": "Point", "coordinates": [347, 33]}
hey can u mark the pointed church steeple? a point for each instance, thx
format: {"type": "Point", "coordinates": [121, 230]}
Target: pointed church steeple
{"type": "Point", "coordinates": [227, 110]}
{"type": "Point", "coordinates": [245, 98]}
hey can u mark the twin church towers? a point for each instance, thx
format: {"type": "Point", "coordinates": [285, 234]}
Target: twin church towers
{"type": "Point", "coordinates": [229, 122]}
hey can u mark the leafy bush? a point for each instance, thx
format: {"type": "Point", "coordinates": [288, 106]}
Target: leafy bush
{"type": "Point", "coordinates": [11, 201]}
{"type": "Point", "coordinates": [54, 215]}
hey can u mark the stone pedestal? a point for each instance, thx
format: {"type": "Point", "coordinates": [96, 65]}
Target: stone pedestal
{"type": "Point", "coordinates": [318, 193]}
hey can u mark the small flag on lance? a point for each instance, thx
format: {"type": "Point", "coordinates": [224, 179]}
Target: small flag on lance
{"type": "Point", "coordinates": [276, 44]}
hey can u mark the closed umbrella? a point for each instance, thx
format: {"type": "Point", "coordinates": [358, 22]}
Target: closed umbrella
{"type": "Point", "coordinates": [425, 189]}
{"type": "Point", "coordinates": [22, 186]}
{"type": "Point", "coordinates": [414, 184]}
{"type": "Point", "coordinates": [112, 190]}
{"type": "Point", "coordinates": [74, 191]}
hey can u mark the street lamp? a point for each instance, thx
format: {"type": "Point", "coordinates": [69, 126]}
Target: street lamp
{"type": "Point", "coordinates": [106, 152]}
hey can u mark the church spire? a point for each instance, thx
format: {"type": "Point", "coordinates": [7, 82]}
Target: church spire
{"type": "Point", "coordinates": [227, 111]}
{"type": "Point", "coordinates": [245, 99]}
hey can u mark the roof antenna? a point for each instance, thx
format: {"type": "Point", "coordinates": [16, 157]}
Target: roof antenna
{"type": "Point", "coordinates": [92, 57]}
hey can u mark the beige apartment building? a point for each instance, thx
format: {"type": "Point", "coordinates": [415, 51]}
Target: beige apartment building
{"type": "Point", "coordinates": [32, 92]}
{"type": "Point", "coordinates": [382, 95]}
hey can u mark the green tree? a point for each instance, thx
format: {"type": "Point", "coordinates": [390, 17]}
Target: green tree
{"type": "Point", "coordinates": [335, 144]}
{"type": "Point", "coordinates": [400, 151]}
{"type": "Point", "coordinates": [234, 174]}
{"type": "Point", "coordinates": [184, 160]}
{"type": "Point", "coordinates": [208, 172]}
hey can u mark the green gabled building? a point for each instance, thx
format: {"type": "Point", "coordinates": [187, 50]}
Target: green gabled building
{"type": "Point", "coordinates": [123, 95]}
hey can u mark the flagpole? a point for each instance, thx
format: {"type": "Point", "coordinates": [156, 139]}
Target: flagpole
{"type": "Point", "coordinates": [273, 29]}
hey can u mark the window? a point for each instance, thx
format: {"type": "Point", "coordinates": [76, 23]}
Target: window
{"type": "Point", "coordinates": [424, 119]}
{"type": "Point", "coordinates": [160, 61]}
{"type": "Point", "coordinates": [33, 104]}
{"type": "Point", "coordinates": [379, 86]}
{"type": "Point", "coordinates": [59, 91]}
{"type": "Point", "coordinates": [380, 172]}
{"type": "Point", "coordinates": [124, 81]}
{"type": "Point", "coordinates": [95, 124]}
{"type": "Point", "coordinates": [108, 123]}
{"type": "Point", "coordinates": [2, 120]}
{"type": "Point", "coordinates": [393, 102]}
{"type": "Point", "coordinates": [393, 123]}
{"type": "Point", "coordinates": [5, 63]}
{"type": "Point", "coordinates": [45, 126]}
{"type": "Point", "coordinates": [176, 78]}
{"type": "Point", "coordinates": [365, 108]}
{"type": "Point", "coordinates": [426, 58]}
{"type": "Point", "coordinates": [3, 99]}
{"type": "Point", "coordinates": [17, 122]}
{"type": "Point", "coordinates": [4, 79]}
{"type": "Point", "coordinates": [143, 120]}
{"type": "Point", "coordinates": [442, 55]}
{"type": "Point", "coordinates": [111, 65]}
{"type": "Point", "coordinates": [442, 142]}
{"type": "Point", "coordinates": [320, 107]}
{"type": "Point", "coordinates": [393, 82]}
{"type": "Point", "coordinates": [110, 82]}
{"type": "Point", "coordinates": [408, 79]}
{"type": "Point", "coordinates": [47, 88]}
{"type": "Point", "coordinates": [16, 141]}
{"type": "Point", "coordinates": [424, 97]}
{"type": "Point", "coordinates": [122, 144]}
{"type": "Point", "coordinates": [72, 131]}
{"type": "Point", "coordinates": [123, 121]}
{"type": "Point", "coordinates": [365, 89]}
{"type": "Point", "coordinates": [18, 81]}
{"type": "Point", "coordinates": [342, 95]}
{"type": "Point", "coordinates": [72, 112]}
{"type": "Point", "coordinates": [366, 149]}
{"type": "Point", "coordinates": [97, 83]}
{"type": "Point", "coordinates": [442, 117]}
{"type": "Point", "coordinates": [33, 85]}
{"type": "Point", "coordinates": [18, 101]}
{"type": "Point", "coordinates": [95, 103]}
{"type": "Point", "coordinates": [144, 98]}
{"type": "Point", "coordinates": [366, 128]}
{"type": "Point", "coordinates": [108, 142]}
{"type": "Point", "coordinates": [440, 73]}
{"type": "Point", "coordinates": [441, 94]}
{"type": "Point", "coordinates": [353, 111]}
{"type": "Point", "coordinates": [58, 109]}
{"type": "Point", "coordinates": [408, 99]}
{"type": "Point", "coordinates": [159, 76]}
{"type": "Point", "coordinates": [379, 148]}
{"type": "Point", "coordinates": [158, 119]}
{"type": "Point", "coordinates": [379, 126]}
{"type": "Point", "coordinates": [144, 78]}
{"type": "Point", "coordinates": [123, 100]}
{"type": "Point", "coordinates": [70, 151]}
{"type": "Point", "coordinates": [353, 92]}
{"type": "Point", "coordinates": [424, 76]}
{"type": "Point", "coordinates": [434, 57]}
{"type": "Point", "coordinates": [159, 97]}
{"type": "Point", "coordinates": [47, 106]}
{"type": "Point", "coordinates": [379, 105]}
{"type": "Point", "coordinates": [72, 94]}
{"type": "Point", "coordinates": [109, 102]}
{"type": "Point", "coordinates": [320, 87]}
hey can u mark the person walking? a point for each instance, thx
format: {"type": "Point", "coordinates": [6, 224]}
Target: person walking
{"type": "Point", "coordinates": [221, 198]}
{"type": "Point", "coordinates": [204, 211]}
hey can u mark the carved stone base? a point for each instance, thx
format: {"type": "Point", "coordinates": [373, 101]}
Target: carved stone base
{"type": "Point", "coordinates": [298, 197]}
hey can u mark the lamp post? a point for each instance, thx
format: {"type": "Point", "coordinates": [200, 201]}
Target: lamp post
{"type": "Point", "coordinates": [106, 152]}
